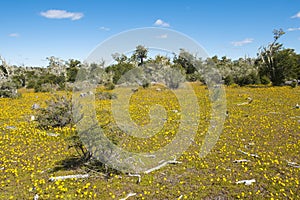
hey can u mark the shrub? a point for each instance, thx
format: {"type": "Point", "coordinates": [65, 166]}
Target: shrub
{"type": "Point", "coordinates": [294, 84]}
{"type": "Point", "coordinates": [145, 84]}
{"type": "Point", "coordinates": [58, 113]}
{"type": "Point", "coordinates": [265, 80]}
{"type": "Point", "coordinates": [228, 80]}
{"type": "Point", "coordinates": [8, 90]}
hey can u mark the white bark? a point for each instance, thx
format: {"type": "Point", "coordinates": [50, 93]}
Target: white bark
{"type": "Point", "coordinates": [136, 175]}
{"type": "Point", "coordinates": [249, 154]}
{"type": "Point", "coordinates": [128, 195]}
{"type": "Point", "coordinates": [162, 165]}
{"type": "Point", "coordinates": [246, 182]}
{"type": "Point", "coordinates": [68, 177]}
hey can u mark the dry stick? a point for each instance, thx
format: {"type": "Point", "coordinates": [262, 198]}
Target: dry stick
{"type": "Point", "coordinates": [162, 165]}
{"type": "Point", "coordinates": [68, 177]}
{"type": "Point", "coordinates": [249, 154]}
{"type": "Point", "coordinates": [36, 197]}
{"type": "Point", "coordinates": [128, 195]}
{"type": "Point", "coordinates": [154, 168]}
{"type": "Point", "coordinates": [240, 161]}
{"type": "Point", "coordinates": [136, 175]}
{"type": "Point", "coordinates": [246, 182]}
{"type": "Point", "coordinates": [293, 164]}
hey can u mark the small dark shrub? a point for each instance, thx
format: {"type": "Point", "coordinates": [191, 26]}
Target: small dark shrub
{"type": "Point", "coordinates": [109, 86]}
{"type": "Point", "coordinates": [105, 95]}
{"type": "Point", "coordinates": [146, 84]}
{"type": "Point", "coordinates": [294, 84]}
{"type": "Point", "coordinates": [265, 80]}
{"type": "Point", "coordinates": [228, 80]}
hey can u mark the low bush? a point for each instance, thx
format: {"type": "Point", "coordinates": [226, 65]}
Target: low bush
{"type": "Point", "coordinates": [58, 113]}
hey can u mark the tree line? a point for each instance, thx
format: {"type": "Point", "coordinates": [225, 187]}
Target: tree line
{"type": "Point", "coordinates": [274, 65]}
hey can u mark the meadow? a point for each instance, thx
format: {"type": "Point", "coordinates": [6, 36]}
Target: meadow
{"type": "Point", "coordinates": [264, 133]}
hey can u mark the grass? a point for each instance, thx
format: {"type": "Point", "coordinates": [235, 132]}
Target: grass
{"type": "Point", "coordinates": [268, 127]}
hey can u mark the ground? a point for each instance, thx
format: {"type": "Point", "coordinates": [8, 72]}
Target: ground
{"type": "Point", "coordinates": [268, 127]}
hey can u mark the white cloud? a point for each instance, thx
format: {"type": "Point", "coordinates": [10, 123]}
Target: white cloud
{"type": "Point", "coordinates": [160, 22]}
{"type": "Point", "coordinates": [296, 16]}
{"type": "Point", "coordinates": [61, 14]}
{"type": "Point", "coordinates": [103, 28]}
{"type": "Point", "coordinates": [294, 29]}
{"type": "Point", "coordinates": [14, 35]}
{"type": "Point", "coordinates": [163, 36]}
{"type": "Point", "coordinates": [242, 43]}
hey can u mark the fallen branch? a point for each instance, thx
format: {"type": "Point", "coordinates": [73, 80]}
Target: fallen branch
{"type": "Point", "coordinates": [136, 175]}
{"type": "Point", "coordinates": [68, 177]}
{"type": "Point", "coordinates": [249, 154]}
{"type": "Point", "coordinates": [293, 164]}
{"type": "Point", "coordinates": [162, 165]}
{"type": "Point", "coordinates": [128, 195]}
{"type": "Point", "coordinates": [53, 134]}
{"type": "Point", "coordinates": [36, 197]}
{"type": "Point", "coordinates": [246, 182]}
{"type": "Point", "coordinates": [241, 161]}
{"type": "Point", "coordinates": [245, 103]}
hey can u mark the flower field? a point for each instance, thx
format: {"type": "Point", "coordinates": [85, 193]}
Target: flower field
{"type": "Point", "coordinates": [260, 141]}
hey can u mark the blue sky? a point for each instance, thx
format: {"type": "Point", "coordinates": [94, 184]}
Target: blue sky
{"type": "Point", "coordinates": [33, 30]}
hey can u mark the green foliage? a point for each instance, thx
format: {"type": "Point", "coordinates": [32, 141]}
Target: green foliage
{"type": "Point", "coordinates": [4, 70]}
{"type": "Point", "coordinates": [72, 70]}
{"type": "Point", "coordinates": [274, 64]}
{"type": "Point", "coordinates": [249, 79]}
{"type": "Point", "coordinates": [277, 63]}
{"type": "Point", "coordinates": [265, 80]}
{"type": "Point", "coordinates": [71, 74]}
{"type": "Point", "coordinates": [118, 70]}
{"type": "Point", "coordinates": [19, 80]}
{"type": "Point", "coordinates": [294, 84]}
{"type": "Point", "coordinates": [186, 60]}
{"type": "Point", "coordinates": [228, 80]}
{"type": "Point", "coordinates": [47, 82]}
{"type": "Point", "coordinates": [8, 90]}
{"type": "Point", "coordinates": [145, 84]}
{"type": "Point", "coordinates": [140, 54]}
{"type": "Point", "coordinates": [194, 77]}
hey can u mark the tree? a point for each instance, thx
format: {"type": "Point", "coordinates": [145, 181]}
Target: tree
{"type": "Point", "coordinates": [56, 66]}
{"type": "Point", "coordinates": [186, 60]}
{"type": "Point", "coordinates": [277, 64]}
{"type": "Point", "coordinates": [72, 70]}
{"type": "Point", "coordinates": [119, 58]}
{"type": "Point", "coordinates": [140, 54]}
